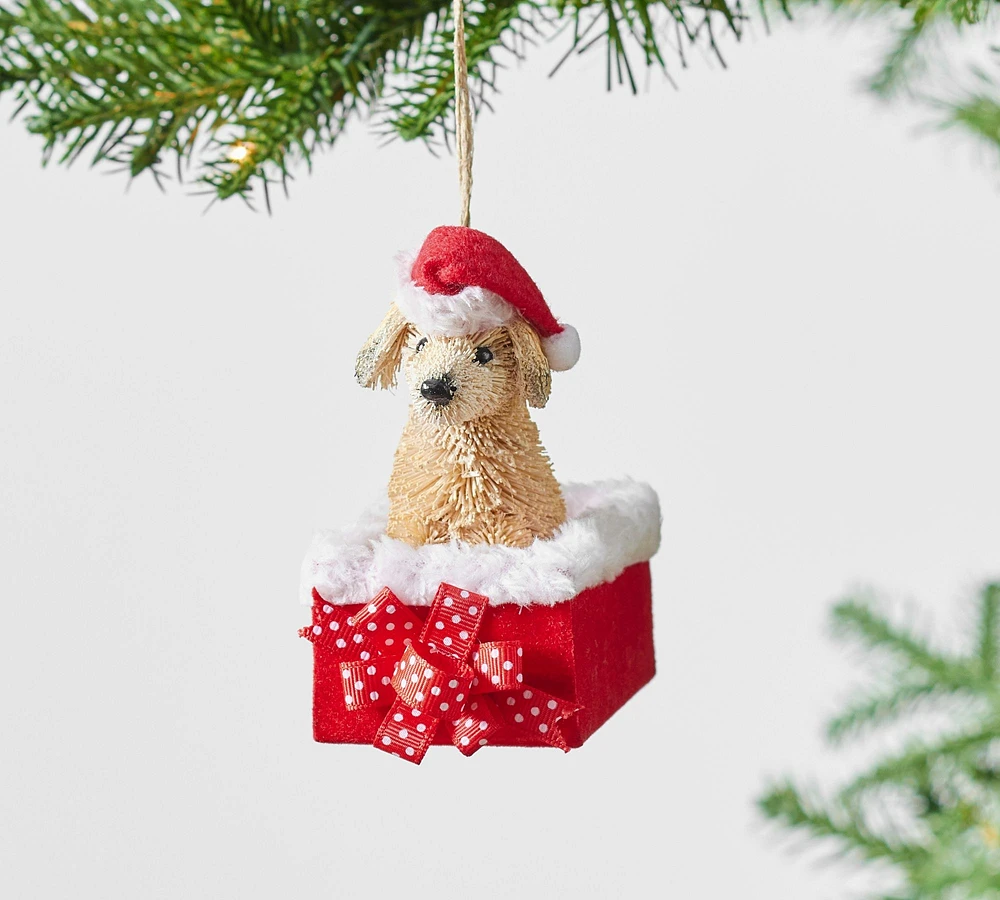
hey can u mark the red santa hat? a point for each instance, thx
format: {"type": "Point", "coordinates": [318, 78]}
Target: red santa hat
{"type": "Point", "coordinates": [463, 281]}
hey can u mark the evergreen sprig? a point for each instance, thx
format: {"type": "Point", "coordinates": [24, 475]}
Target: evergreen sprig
{"type": "Point", "coordinates": [231, 93]}
{"type": "Point", "coordinates": [238, 89]}
{"type": "Point", "coordinates": [919, 62]}
{"type": "Point", "coordinates": [932, 810]}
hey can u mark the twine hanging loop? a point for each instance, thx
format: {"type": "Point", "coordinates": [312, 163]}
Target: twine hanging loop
{"type": "Point", "coordinates": [463, 115]}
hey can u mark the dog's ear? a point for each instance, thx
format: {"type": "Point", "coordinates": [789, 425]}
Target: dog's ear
{"type": "Point", "coordinates": [380, 357]}
{"type": "Point", "coordinates": [536, 376]}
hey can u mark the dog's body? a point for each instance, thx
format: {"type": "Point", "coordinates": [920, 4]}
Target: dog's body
{"type": "Point", "coordinates": [486, 481]}
{"type": "Point", "coordinates": [469, 465]}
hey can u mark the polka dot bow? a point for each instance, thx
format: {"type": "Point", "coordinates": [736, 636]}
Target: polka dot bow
{"type": "Point", "coordinates": [443, 678]}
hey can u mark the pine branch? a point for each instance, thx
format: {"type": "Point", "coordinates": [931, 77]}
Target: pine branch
{"type": "Point", "coordinates": [902, 62]}
{"type": "Point", "coordinates": [859, 621]}
{"type": "Point", "coordinates": [882, 709]}
{"type": "Point", "coordinates": [241, 85]}
{"type": "Point", "coordinates": [790, 807]}
{"type": "Point", "coordinates": [235, 93]}
{"type": "Point", "coordinates": [419, 99]}
{"type": "Point", "coordinates": [913, 767]}
{"type": "Point", "coordinates": [922, 67]}
{"type": "Point", "coordinates": [241, 89]}
{"type": "Point", "coordinates": [937, 804]}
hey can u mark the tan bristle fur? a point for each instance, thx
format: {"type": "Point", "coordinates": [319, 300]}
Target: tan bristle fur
{"type": "Point", "coordinates": [474, 469]}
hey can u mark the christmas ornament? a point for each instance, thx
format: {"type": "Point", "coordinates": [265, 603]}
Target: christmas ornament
{"type": "Point", "coordinates": [486, 604]}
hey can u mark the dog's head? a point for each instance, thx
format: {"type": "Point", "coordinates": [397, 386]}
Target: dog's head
{"type": "Point", "coordinates": [457, 379]}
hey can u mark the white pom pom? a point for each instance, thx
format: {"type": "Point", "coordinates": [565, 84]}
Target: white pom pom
{"type": "Point", "coordinates": [562, 350]}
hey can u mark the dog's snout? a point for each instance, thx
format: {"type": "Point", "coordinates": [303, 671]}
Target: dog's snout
{"type": "Point", "coordinates": [438, 391]}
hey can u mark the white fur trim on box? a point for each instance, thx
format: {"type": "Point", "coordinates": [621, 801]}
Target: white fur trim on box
{"type": "Point", "coordinates": [469, 311]}
{"type": "Point", "coordinates": [611, 525]}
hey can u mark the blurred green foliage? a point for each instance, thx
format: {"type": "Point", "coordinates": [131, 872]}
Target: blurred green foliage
{"type": "Point", "coordinates": [929, 813]}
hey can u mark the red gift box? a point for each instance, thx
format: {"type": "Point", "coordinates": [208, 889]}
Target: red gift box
{"type": "Point", "coordinates": [575, 659]}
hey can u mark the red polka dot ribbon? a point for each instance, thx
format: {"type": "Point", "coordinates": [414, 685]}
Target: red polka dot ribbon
{"type": "Point", "coordinates": [435, 676]}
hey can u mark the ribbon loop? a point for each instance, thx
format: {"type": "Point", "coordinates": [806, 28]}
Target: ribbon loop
{"type": "Point", "coordinates": [453, 623]}
{"type": "Point", "coordinates": [367, 683]}
{"type": "Point", "coordinates": [477, 728]}
{"type": "Point", "coordinates": [539, 713]}
{"type": "Point", "coordinates": [431, 682]}
{"type": "Point", "coordinates": [406, 732]}
{"type": "Point", "coordinates": [378, 627]}
{"type": "Point", "coordinates": [497, 665]}
{"type": "Point", "coordinates": [384, 624]}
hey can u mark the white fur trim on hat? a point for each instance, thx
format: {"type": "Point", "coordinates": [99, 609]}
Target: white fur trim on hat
{"type": "Point", "coordinates": [562, 350]}
{"type": "Point", "coordinates": [471, 310]}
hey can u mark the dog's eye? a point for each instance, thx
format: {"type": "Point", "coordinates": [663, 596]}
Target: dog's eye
{"type": "Point", "coordinates": [483, 355]}
{"type": "Point", "coordinates": [420, 345]}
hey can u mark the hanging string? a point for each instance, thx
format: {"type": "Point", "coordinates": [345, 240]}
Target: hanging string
{"type": "Point", "coordinates": [463, 115]}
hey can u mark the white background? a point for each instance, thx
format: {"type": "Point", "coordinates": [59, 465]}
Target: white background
{"type": "Point", "coordinates": [789, 311]}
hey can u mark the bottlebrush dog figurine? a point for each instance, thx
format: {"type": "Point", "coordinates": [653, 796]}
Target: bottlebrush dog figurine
{"type": "Point", "coordinates": [477, 344]}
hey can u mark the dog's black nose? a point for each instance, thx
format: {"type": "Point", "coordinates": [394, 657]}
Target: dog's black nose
{"type": "Point", "coordinates": [438, 391]}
